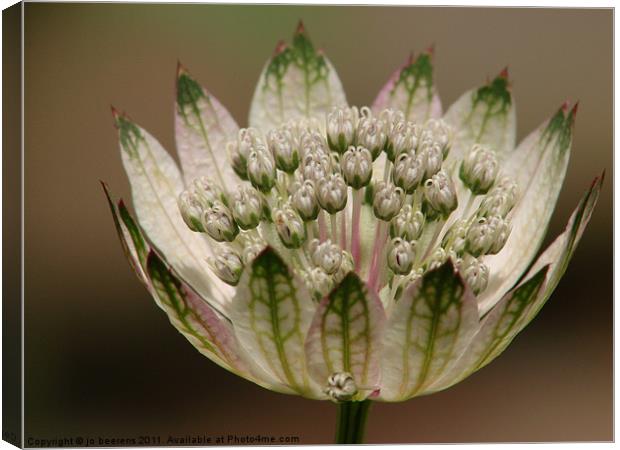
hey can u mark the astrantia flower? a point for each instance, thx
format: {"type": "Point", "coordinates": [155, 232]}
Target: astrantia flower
{"type": "Point", "coordinates": [346, 253]}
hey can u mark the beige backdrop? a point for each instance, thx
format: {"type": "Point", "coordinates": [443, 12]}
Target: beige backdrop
{"type": "Point", "coordinates": [101, 359]}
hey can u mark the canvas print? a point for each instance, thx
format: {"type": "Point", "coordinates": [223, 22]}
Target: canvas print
{"type": "Point", "coordinates": [284, 225]}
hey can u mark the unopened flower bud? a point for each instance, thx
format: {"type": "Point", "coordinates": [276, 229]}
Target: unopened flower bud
{"type": "Point", "coordinates": [318, 282]}
{"type": "Point", "coordinates": [247, 208]}
{"type": "Point", "coordinates": [326, 255]}
{"type": "Point", "coordinates": [387, 201]}
{"type": "Point", "coordinates": [500, 200]}
{"type": "Point", "coordinates": [261, 169]}
{"type": "Point", "coordinates": [315, 166]}
{"type": "Point", "coordinates": [227, 265]}
{"type": "Point", "coordinates": [303, 199]}
{"type": "Point", "coordinates": [479, 170]}
{"type": "Point", "coordinates": [371, 135]}
{"type": "Point", "coordinates": [408, 172]}
{"type": "Point", "coordinates": [356, 165]}
{"type": "Point", "coordinates": [390, 118]}
{"type": "Point", "coordinates": [400, 256]}
{"type": "Point", "coordinates": [408, 224]}
{"type": "Point", "coordinates": [290, 226]}
{"type": "Point", "coordinates": [439, 196]}
{"type": "Point", "coordinates": [346, 266]}
{"type": "Point", "coordinates": [332, 193]}
{"type": "Point", "coordinates": [312, 140]}
{"type": "Point", "coordinates": [437, 258]}
{"type": "Point", "coordinates": [487, 236]}
{"type": "Point", "coordinates": [191, 210]}
{"type": "Point", "coordinates": [219, 224]}
{"type": "Point", "coordinates": [251, 247]}
{"type": "Point", "coordinates": [441, 133]}
{"type": "Point", "coordinates": [455, 239]}
{"type": "Point", "coordinates": [475, 273]}
{"type": "Point", "coordinates": [207, 192]}
{"type": "Point", "coordinates": [284, 149]}
{"type": "Point", "coordinates": [430, 157]}
{"type": "Point", "coordinates": [341, 386]}
{"type": "Point", "coordinates": [402, 138]}
{"type": "Point", "coordinates": [341, 127]}
{"type": "Point", "coordinates": [239, 150]}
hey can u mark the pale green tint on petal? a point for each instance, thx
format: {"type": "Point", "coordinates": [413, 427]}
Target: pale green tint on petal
{"type": "Point", "coordinates": [271, 314]}
{"type": "Point", "coordinates": [411, 90]}
{"type": "Point", "coordinates": [495, 332]}
{"type": "Point", "coordinates": [430, 326]}
{"type": "Point", "coordinates": [209, 332]}
{"type": "Point", "coordinates": [134, 245]}
{"type": "Point", "coordinates": [517, 308]}
{"type": "Point", "coordinates": [345, 336]}
{"type": "Point", "coordinates": [156, 182]}
{"type": "Point", "coordinates": [193, 318]}
{"type": "Point", "coordinates": [539, 166]}
{"type": "Point", "coordinates": [297, 82]}
{"type": "Point", "coordinates": [485, 116]}
{"type": "Point", "coordinates": [203, 127]}
{"type": "Point", "coordinates": [559, 253]}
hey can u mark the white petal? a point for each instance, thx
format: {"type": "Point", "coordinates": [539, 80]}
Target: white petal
{"type": "Point", "coordinates": [156, 182]}
{"type": "Point", "coordinates": [539, 166]}
{"type": "Point", "coordinates": [485, 116]}
{"type": "Point", "coordinates": [345, 336]}
{"type": "Point", "coordinates": [271, 314]}
{"type": "Point", "coordinates": [297, 82]}
{"type": "Point", "coordinates": [429, 327]}
{"type": "Point", "coordinates": [411, 90]}
{"type": "Point", "coordinates": [203, 128]}
{"type": "Point", "coordinates": [517, 308]}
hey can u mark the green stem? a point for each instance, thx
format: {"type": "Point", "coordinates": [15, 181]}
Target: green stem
{"type": "Point", "coordinates": [352, 422]}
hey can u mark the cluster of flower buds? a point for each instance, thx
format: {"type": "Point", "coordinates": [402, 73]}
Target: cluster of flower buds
{"type": "Point", "coordinates": [298, 182]}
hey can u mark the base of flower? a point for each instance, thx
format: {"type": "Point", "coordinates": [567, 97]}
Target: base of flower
{"type": "Point", "coordinates": [352, 422]}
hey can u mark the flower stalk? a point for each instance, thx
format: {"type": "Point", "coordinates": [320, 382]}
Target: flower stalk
{"type": "Point", "coordinates": [351, 425]}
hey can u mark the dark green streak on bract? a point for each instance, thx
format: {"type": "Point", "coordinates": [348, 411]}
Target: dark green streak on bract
{"type": "Point", "coordinates": [520, 299]}
{"type": "Point", "coordinates": [134, 231]}
{"type": "Point", "coordinates": [495, 95]}
{"type": "Point", "coordinates": [441, 288]}
{"type": "Point", "coordinates": [129, 135]}
{"type": "Point", "coordinates": [269, 267]}
{"type": "Point", "coordinates": [303, 55]}
{"type": "Point", "coordinates": [170, 292]}
{"type": "Point", "coordinates": [188, 92]}
{"type": "Point", "coordinates": [560, 127]}
{"type": "Point", "coordinates": [418, 73]}
{"type": "Point", "coordinates": [349, 292]}
{"type": "Point", "coordinates": [166, 284]}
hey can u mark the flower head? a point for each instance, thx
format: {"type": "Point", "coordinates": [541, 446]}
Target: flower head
{"type": "Point", "coordinates": [337, 252]}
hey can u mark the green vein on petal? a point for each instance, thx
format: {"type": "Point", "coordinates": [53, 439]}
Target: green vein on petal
{"type": "Point", "coordinates": [345, 335]}
{"type": "Point", "coordinates": [411, 90]}
{"type": "Point", "coordinates": [271, 313]}
{"type": "Point", "coordinates": [203, 127]}
{"type": "Point", "coordinates": [297, 82]}
{"type": "Point", "coordinates": [428, 328]}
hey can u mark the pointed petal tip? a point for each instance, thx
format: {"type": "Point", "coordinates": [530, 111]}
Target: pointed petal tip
{"type": "Point", "coordinates": [430, 50]}
{"type": "Point", "coordinates": [573, 111]}
{"type": "Point", "coordinates": [301, 29]}
{"type": "Point", "coordinates": [280, 47]}
{"type": "Point", "coordinates": [564, 106]}
{"type": "Point", "coordinates": [504, 73]}
{"type": "Point", "coordinates": [115, 112]}
{"type": "Point", "coordinates": [181, 69]}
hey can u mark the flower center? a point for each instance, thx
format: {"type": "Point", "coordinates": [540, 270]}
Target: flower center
{"type": "Point", "coordinates": [363, 192]}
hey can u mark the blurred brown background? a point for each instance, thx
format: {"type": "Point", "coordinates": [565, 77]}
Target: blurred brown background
{"type": "Point", "coordinates": [102, 360]}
